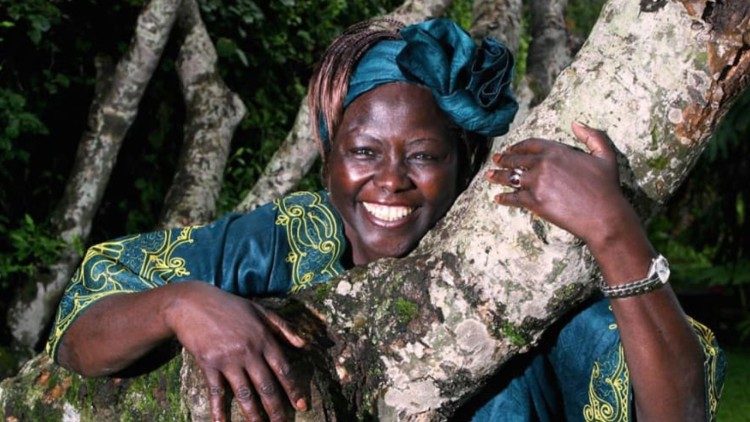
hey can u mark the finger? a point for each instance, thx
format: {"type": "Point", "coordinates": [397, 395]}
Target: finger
{"type": "Point", "coordinates": [215, 385]}
{"type": "Point", "coordinates": [517, 198]}
{"type": "Point", "coordinates": [595, 140]}
{"type": "Point", "coordinates": [243, 394]}
{"type": "Point", "coordinates": [514, 160]}
{"type": "Point", "coordinates": [280, 366]}
{"type": "Point", "coordinates": [503, 176]}
{"type": "Point", "coordinates": [268, 391]}
{"type": "Point", "coordinates": [281, 326]}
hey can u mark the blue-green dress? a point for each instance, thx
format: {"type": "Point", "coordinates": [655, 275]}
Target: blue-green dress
{"type": "Point", "coordinates": [579, 372]}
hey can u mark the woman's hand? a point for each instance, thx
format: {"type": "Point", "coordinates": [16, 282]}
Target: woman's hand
{"type": "Point", "coordinates": [575, 190]}
{"type": "Point", "coordinates": [234, 342]}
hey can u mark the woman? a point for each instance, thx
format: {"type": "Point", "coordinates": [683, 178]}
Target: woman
{"type": "Point", "coordinates": [408, 113]}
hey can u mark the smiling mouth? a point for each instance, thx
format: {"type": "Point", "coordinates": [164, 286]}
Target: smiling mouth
{"type": "Point", "coordinates": [387, 213]}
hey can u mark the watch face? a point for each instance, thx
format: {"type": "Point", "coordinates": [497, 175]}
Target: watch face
{"type": "Point", "coordinates": [661, 267]}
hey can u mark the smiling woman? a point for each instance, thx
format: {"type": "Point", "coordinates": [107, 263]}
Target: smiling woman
{"type": "Point", "coordinates": [404, 116]}
{"type": "Point", "coordinates": [392, 171]}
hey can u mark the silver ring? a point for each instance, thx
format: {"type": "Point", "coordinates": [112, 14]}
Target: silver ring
{"type": "Point", "coordinates": [515, 178]}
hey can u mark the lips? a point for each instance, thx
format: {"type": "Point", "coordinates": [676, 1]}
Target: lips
{"type": "Point", "coordinates": [387, 213]}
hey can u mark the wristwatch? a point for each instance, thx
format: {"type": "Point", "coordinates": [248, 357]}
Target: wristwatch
{"type": "Point", "coordinates": [658, 275]}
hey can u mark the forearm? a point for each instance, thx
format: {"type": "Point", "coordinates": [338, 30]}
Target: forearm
{"type": "Point", "coordinates": [663, 354]}
{"type": "Point", "coordinates": [117, 330]}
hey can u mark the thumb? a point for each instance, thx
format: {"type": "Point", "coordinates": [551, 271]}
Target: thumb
{"type": "Point", "coordinates": [595, 140]}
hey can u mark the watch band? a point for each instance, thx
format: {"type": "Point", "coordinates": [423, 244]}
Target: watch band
{"type": "Point", "coordinates": [658, 275]}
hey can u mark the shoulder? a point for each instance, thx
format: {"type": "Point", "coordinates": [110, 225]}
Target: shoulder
{"type": "Point", "coordinates": [315, 236]}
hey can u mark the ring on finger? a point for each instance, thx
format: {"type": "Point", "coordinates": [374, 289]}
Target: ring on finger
{"type": "Point", "coordinates": [514, 180]}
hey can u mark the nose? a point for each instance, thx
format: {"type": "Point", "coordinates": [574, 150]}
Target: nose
{"type": "Point", "coordinates": [392, 175]}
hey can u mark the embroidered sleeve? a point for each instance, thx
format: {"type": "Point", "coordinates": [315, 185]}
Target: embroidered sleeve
{"type": "Point", "coordinates": [288, 245]}
{"type": "Point", "coordinates": [714, 367]}
{"type": "Point", "coordinates": [130, 264]}
{"type": "Point", "coordinates": [610, 394]}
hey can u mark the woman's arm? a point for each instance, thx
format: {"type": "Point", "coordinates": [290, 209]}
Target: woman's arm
{"type": "Point", "coordinates": [232, 339]}
{"type": "Point", "coordinates": [580, 192]}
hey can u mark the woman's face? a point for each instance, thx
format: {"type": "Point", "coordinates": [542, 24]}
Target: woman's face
{"type": "Point", "coordinates": [392, 171]}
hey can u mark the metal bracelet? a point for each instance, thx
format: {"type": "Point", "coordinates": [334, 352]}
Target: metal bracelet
{"type": "Point", "coordinates": [658, 274]}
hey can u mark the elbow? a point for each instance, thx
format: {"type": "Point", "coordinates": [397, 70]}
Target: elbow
{"type": "Point", "coordinates": [68, 358]}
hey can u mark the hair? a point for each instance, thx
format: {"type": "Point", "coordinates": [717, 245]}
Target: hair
{"type": "Point", "coordinates": [329, 85]}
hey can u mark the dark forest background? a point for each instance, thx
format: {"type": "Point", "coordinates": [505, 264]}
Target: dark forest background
{"type": "Point", "coordinates": [266, 50]}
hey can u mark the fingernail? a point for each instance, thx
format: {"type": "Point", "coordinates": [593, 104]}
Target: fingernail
{"type": "Point", "coordinates": [302, 405]}
{"type": "Point", "coordinates": [583, 124]}
{"type": "Point", "coordinates": [497, 156]}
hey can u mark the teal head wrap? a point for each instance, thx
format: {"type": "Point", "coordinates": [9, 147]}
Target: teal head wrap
{"type": "Point", "coordinates": [470, 84]}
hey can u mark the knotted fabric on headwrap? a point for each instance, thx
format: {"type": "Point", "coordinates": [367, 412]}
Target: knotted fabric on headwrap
{"type": "Point", "coordinates": [470, 84]}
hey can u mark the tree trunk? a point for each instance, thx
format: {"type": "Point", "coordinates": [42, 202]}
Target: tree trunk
{"type": "Point", "coordinates": [109, 120]}
{"type": "Point", "coordinates": [500, 19]}
{"type": "Point", "coordinates": [549, 53]}
{"type": "Point", "coordinates": [294, 158]}
{"type": "Point", "coordinates": [213, 113]}
{"type": "Point", "coordinates": [412, 338]}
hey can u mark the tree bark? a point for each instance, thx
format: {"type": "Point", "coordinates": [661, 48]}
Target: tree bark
{"type": "Point", "coordinates": [297, 154]}
{"type": "Point", "coordinates": [213, 113]}
{"type": "Point", "coordinates": [549, 53]}
{"type": "Point", "coordinates": [412, 338]}
{"type": "Point", "coordinates": [109, 120]}
{"type": "Point", "coordinates": [500, 19]}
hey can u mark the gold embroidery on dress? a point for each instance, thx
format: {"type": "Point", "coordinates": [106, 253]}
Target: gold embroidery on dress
{"type": "Point", "coordinates": [616, 406]}
{"type": "Point", "coordinates": [711, 352]}
{"type": "Point", "coordinates": [311, 230]}
{"type": "Point", "coordinates": [102, 273]}
{"type": "Point", "coordinates": [160, 264]}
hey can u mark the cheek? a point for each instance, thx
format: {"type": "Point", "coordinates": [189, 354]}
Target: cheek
{"type": "Point", "coordinates": [440, 188]}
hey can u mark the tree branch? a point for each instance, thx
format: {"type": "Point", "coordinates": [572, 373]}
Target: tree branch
{"type": "Point", "coordinates": [549, 53]}
{"type": "Point", "coordinates": [109, 121]}
{"type": "Point", "coordinates": [213, 113]}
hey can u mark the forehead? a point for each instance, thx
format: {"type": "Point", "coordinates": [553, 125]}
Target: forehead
{"type": "Point", "coordinates": [395, 109]}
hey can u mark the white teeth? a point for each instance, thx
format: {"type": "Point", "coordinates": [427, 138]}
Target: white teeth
{"type": "Point", "coordinates": [387, 212]}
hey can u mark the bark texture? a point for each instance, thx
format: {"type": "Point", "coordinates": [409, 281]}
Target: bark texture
{"type": "Point", "coordinates": [296, 155]}
{"type": "Point", "coordinates": [492, 278]}
{"type": "Point", "coordinates": [549, 52]}
{"type": "Point", "coordinates": [500, 19]}
{"type": "Point", "coordinates": [213, 113]}
{"type": "Point", "coordinates": [108, 122]}
{"type": "Point", "coordinates": [411, 338]}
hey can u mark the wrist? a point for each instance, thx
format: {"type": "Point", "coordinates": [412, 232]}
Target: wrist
{"type": "Point", "coordinates": [657, 277]}
{"type": "Point", "coordinates": [177, 300]}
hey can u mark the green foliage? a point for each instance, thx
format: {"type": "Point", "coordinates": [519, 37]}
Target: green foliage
{"type": "Point", "coordinates": [33, 246]}
{"type": "Point", "coordinates": [734, 405]}
{"type": "Point", "coordinates": [460, 11]}
{"type": "Point", "coordinates": [35, 17]}
{"type": "Point", "coordinates": [581, 15]}
{"type": "Point", "coordinates": [16, 121]}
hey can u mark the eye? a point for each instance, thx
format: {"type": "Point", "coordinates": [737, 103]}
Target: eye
{"type": "Point", "coordinates": [423, 156]}
{"type": "Point", "coordinates": [362, 152]}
